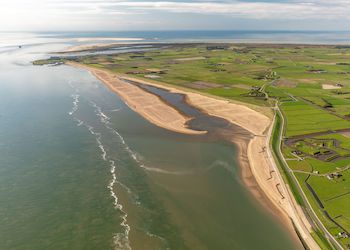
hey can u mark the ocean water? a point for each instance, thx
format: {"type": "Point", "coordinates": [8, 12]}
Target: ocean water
{"type": "Point", "coordinates": [238, 36]}
{"type": "Point", "coordinates": [80, 170]}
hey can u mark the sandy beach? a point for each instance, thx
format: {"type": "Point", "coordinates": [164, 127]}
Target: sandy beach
{"type": "Point", "coordinates": [92, 46]}
{"type": "Point", "coordinates": [84, 47]}
{"type": "Point", "coordinates": [258, 170]}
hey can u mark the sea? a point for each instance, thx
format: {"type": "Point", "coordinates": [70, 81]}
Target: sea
{"type": "Point", "coordinates": [80, 170]}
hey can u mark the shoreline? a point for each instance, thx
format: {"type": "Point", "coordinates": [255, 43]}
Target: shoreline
{"type": "Point", "coordinates": [146, 104]}
{"type": "Point", "coordinates": [256, 171]}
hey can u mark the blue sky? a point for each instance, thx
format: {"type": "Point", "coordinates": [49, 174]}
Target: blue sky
{"type": "Point", "coordinates": [57, 15]}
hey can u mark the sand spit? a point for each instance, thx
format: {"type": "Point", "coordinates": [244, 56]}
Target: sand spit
{"type": "Point", "coordinates": [85, 47]}
{"type": "Point", "coordinates": [258, 170]}
{"type": "Point", "coordinates": [249, 119]}
{"type": "Point", "coordinates": [99, 43]}
{"type": "Point", "coordinates": [147, 105]}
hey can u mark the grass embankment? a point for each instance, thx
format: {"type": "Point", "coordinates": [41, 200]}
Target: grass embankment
{"type": "Point", "coordinates": [275, 143]}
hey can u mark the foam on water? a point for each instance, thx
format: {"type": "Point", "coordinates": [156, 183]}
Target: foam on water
{"type": "Point", "coordinates": [75, 103]}
{"type": "Point", "coordinates": [115, 110]}
{"type": "Point", "coordinates": [75, 97]}
{"type": "Point", "coordinates": [106, 120]}
{"type": "Point", "coordinates": [79, 122]}
{"type": "Point", "coordinates": [121, 240]}
{"type": "Point", "coordinates": [100, 145]}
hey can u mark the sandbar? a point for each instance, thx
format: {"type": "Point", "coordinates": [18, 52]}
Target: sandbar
{"type": "Point", "coordinates": [149, 106]}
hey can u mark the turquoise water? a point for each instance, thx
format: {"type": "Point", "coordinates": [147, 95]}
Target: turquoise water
{"type": "Point", "coordinates": [80, 170]}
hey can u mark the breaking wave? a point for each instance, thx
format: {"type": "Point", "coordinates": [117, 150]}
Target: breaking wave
{"type": "Point", "coordinates": [106, 120]}
{"type": "Point", "coordinates": [75, 103]}
{"type": "Point", "coordinates": [121, 240]}
{"type": "Point", "coordinates": [75, 97]}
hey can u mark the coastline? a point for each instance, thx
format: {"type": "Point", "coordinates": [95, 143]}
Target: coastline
{"type": "Point", "coordinates": [147, 105]}
{"type": "Point", "coordinates": [99, 45]}
{"type": "Point", "coordinates": [253, 153]}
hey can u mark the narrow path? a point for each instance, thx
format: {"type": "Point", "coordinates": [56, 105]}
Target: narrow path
{"type": "Point", "coordinates": [321, 175]}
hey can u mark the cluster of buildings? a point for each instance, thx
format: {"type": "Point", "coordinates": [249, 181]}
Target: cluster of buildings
{"type": "Point", "coordinates": [344, 235]}
{"type": "Point", "coordinates": [334, 176]}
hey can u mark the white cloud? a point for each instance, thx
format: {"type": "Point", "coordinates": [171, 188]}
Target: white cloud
{"type": "Point", "coordinates": [114, 14]}
{"type": "Point", "coordinates": [305, 10]}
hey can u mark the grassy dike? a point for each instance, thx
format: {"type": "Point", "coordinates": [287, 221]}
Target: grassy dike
{"type": "Point", "coordinates": [276, 145]}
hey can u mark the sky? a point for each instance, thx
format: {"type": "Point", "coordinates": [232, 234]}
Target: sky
{"type": "Point", "coordinates": [114, 15]}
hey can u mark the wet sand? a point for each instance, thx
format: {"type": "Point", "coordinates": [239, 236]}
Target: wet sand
{"type": "Point", "coordinates": [250, 134]}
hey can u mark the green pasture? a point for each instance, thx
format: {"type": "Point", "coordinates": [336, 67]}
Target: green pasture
{"type": "Point", "coordinates": [302, 118]}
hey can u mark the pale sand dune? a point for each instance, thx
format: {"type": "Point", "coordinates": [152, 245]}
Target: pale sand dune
{"type": "Point", "coordinates": [258, 168]}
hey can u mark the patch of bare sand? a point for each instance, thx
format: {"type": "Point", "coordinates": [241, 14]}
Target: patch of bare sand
{"type": "Point", "coordinates": [347, 134]}
{"type": "Point", "coordinates": [83, 47]}
{"type": "Point", "coordinates": [310, 80]}
{"type": "Point", "coordinates": [190, 58]}
{"type": "Point", "coordinates": [285, 83]}
{"type": "Point", "coordinates": [330, 86]}
{"type": "Point", "coordinates": [203, 85]}
{"type": "Point", "coordinates": [326, 63]}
